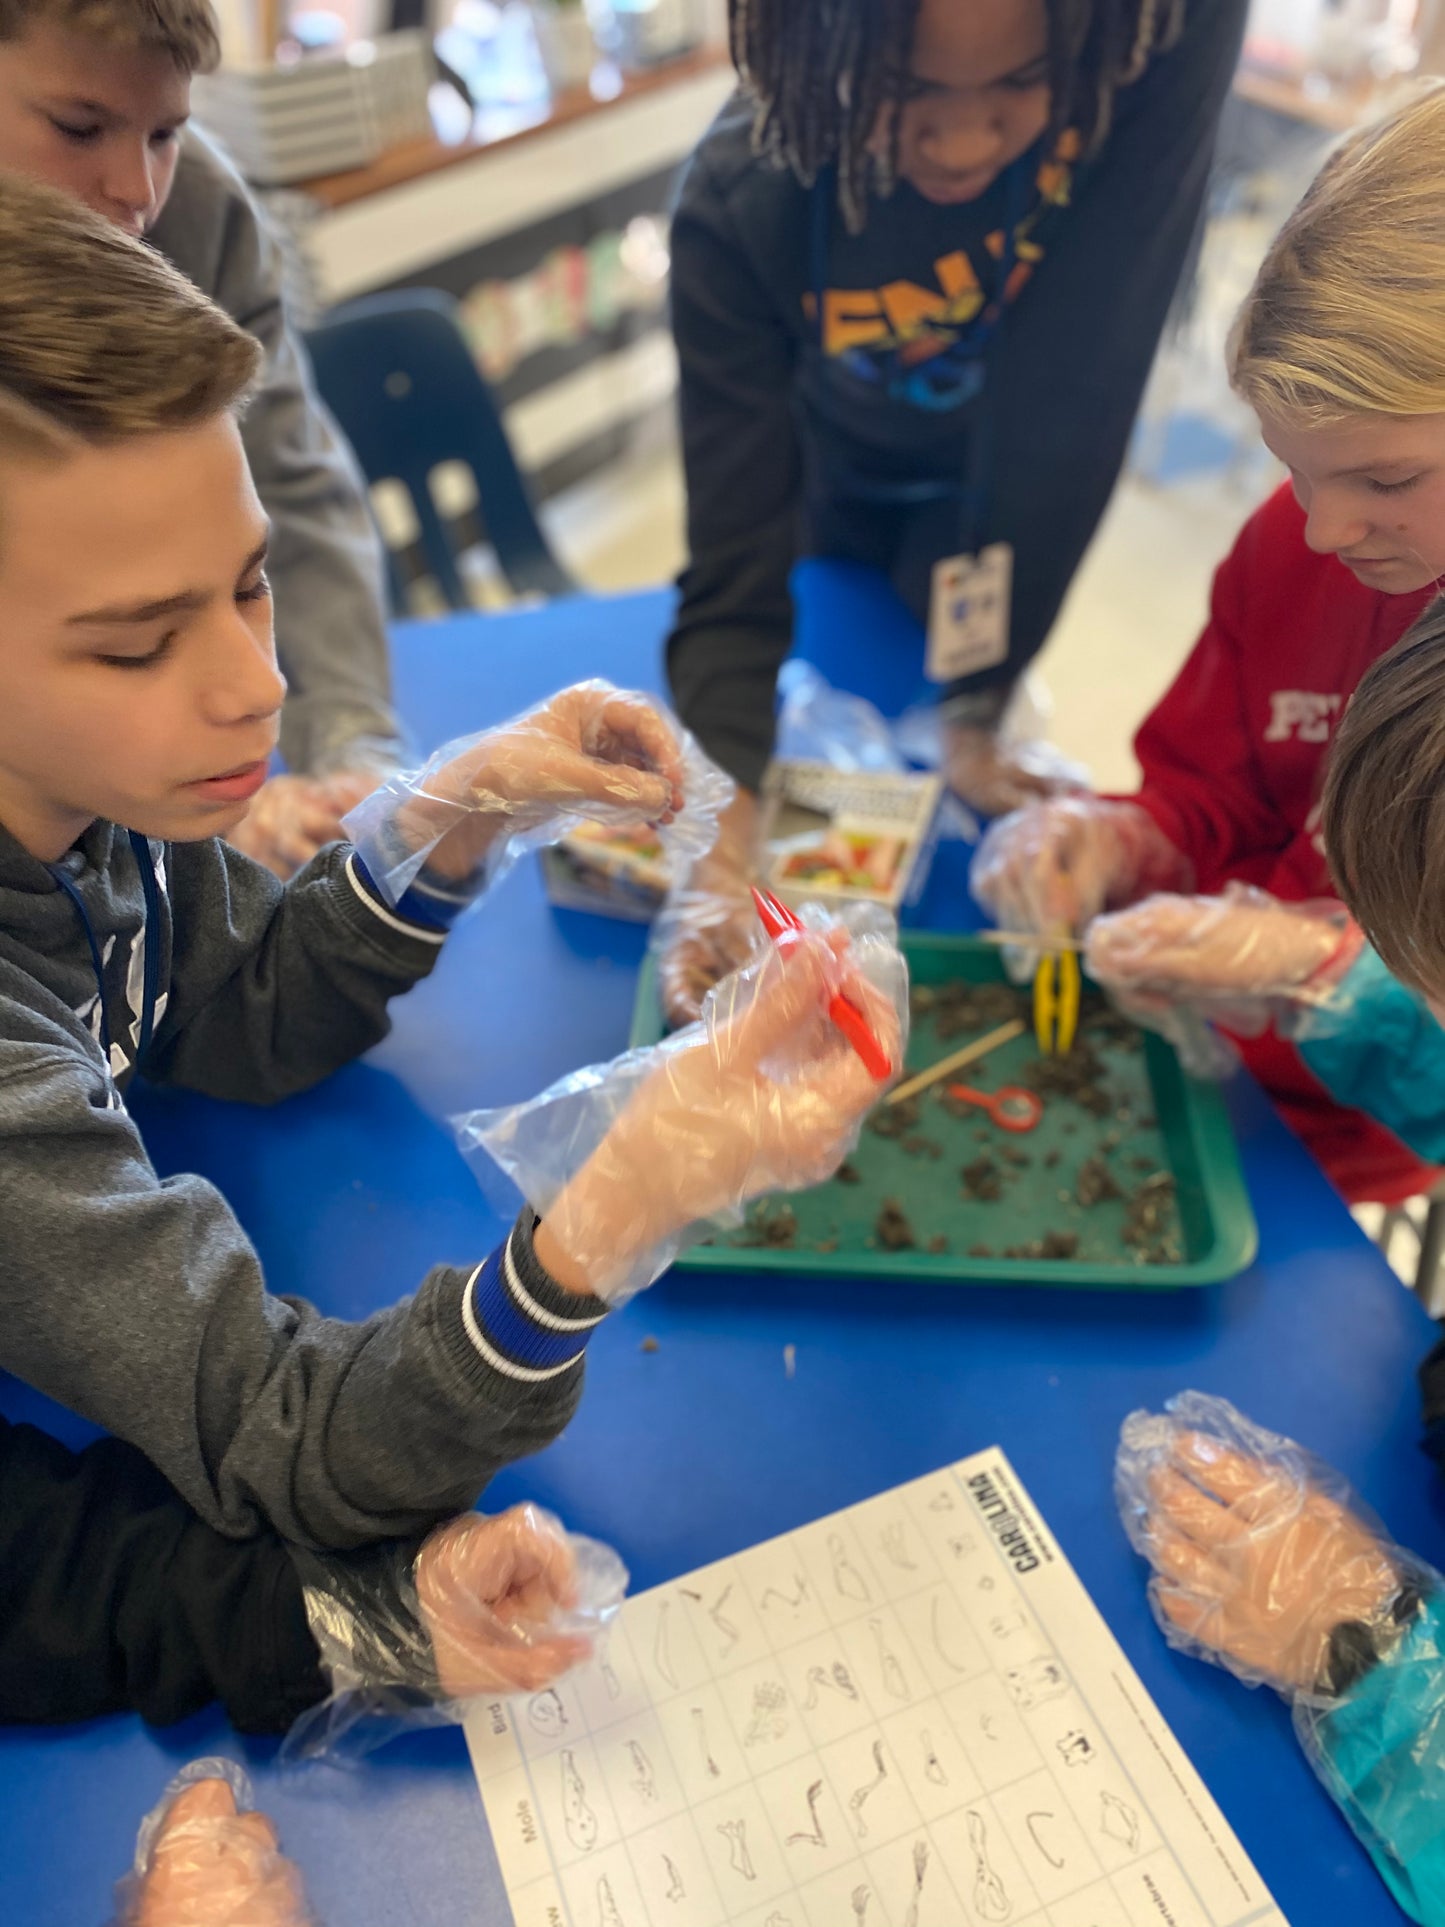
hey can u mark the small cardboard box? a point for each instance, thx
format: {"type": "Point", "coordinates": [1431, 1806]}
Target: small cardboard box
{"type": "Point", "coordinates": [613, 872]}
{"type": "Point", "coordinates": [829, 836]}
{"type": "Point", "coordinates": [846, 836]}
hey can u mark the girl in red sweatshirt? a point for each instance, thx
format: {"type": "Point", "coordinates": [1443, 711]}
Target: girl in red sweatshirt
{"type": "Point", "coordinates": [1340, 349]}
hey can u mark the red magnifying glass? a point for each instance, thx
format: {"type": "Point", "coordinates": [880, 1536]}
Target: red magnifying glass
{"type": "Point", "coordinates": [1011, 1107]}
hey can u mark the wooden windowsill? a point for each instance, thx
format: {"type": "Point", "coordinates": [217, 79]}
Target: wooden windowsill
{"type": "Point", "coordinates": [495, 128]}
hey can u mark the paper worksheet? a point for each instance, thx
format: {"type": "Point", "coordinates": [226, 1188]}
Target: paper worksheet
{"type": "Point", "coordinates": [909, 1714]}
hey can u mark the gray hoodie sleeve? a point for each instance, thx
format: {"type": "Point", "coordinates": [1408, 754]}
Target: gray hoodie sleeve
{"type": "Point", "coordinates": [326, 566]}
{"type": "Point", "coordinates": [140, 1304]}
{"type": "Point", "coordinates": [273, 986]}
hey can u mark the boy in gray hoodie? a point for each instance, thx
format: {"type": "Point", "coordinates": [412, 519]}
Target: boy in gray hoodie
{"type": "Point", "coordinates": [138, 703]}
{"type": "Point", "coordinates": [94, 100]}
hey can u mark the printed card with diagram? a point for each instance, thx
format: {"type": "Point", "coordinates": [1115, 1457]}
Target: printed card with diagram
{"type": "Point", "coordinates": [909, 1714]}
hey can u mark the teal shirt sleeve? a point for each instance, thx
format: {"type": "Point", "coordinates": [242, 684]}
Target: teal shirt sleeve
{"type": "Point", "coordinates": [1376, 1048]}
{"type": "Point", "coordinates": [1381, 1753]}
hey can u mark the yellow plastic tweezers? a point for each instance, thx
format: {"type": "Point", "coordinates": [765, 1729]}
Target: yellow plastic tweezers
{"type": "Point", "coordinates": [1057, 989]}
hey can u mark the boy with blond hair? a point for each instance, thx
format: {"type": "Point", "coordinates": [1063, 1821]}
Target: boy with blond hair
{"type": "Point", "coordinates": [95, 100]}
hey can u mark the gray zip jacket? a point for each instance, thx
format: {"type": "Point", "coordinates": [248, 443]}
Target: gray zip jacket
{"type": "Point", "coordinates": [326, 565]}
{"type": "Point", "coordinates": [140, 1304]}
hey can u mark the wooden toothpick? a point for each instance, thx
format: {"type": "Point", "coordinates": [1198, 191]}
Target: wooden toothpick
{"type": "Point", "coordinates": [980, 1047]}
{"type": "Point", "coordinates": [1031, 940]}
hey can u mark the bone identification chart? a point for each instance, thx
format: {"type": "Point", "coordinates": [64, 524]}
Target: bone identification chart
{"type": "Point", "coordinates": [907, 1715]}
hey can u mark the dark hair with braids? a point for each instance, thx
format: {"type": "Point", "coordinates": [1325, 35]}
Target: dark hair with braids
{"type": "Point", "coordinates": [821, 72]}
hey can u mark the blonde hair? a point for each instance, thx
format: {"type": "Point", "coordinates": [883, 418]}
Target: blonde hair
{"type": "Point", "coordinates": [184, 29]}
{"type": "Point", "coordinates": [101, 339]}
{"type": "Point", "coordinates": [1347, 314]}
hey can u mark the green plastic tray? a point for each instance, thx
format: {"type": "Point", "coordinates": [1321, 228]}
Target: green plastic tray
{"type": "Point", "coordinates": [1172, 1121]}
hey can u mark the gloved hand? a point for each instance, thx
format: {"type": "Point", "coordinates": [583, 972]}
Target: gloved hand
{"type": "Point", "coordinates": [292, 817]}
{"type": "Point", "coordinates": [503, 1604]}
{"type": "Point", "coordinates": [590, 754]}
{"type": "Point", "coordinates": [1243, 945]}
{"type": "Point", "coordinates": [1265, 1563]}
{"type": "Point", "coordinates": [1243, 960]}
{"type": "Point", "coordinates": [624, 1160]}
{"type": "Point", "coordinates": [1257, 1551]}
{"type": "Point", "coordinates": [502, 1600]}
{"type": "Point", "coordinates": [993, 774]}
{"type": "Point", "coordinates": [709, 926]}
{"type": "Point", "coordinates": [204, 1860]}
{"type": "Point", "coordinates": [1052, 867]}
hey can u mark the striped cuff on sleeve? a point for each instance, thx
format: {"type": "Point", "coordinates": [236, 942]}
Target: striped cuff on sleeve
{"type": "Point", "coordinates": [436, 904]}
{"type": "Point", "coordinates": [518, 1320]}
{"type": "Point", "coordinates": [406, 918]}
{"type": "Point", "coordinates": [428, 901]}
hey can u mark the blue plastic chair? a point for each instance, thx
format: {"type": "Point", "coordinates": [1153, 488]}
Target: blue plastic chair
{"type": "Point", "coordinates": [397, 373]}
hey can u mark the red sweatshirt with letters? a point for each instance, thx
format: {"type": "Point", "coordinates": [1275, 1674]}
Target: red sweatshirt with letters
{"type": "Point", "coordinates": [1233, 760]}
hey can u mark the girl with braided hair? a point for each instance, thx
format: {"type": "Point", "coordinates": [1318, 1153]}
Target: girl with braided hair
{"type": "Point", "coordinates": [920, 265]}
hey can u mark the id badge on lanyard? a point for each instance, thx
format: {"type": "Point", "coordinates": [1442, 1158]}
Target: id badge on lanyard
{"type": "Point", "coordinates": [968, 613]}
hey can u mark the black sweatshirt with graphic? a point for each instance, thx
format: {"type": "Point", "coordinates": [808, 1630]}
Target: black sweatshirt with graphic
{"type": "Point", "coordinates": [801, 434]}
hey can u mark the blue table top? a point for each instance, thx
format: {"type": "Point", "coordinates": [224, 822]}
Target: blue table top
{"type": "Point", "coordinates": [693, 1450]}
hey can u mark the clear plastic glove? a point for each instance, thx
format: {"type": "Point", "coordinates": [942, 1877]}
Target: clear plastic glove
{"type": "Point", "coordinates": [626, 1161]}
{"type": "Point", "coordinates": [205, 1859]}
{"type": "Point", "coordinates": [993, 773]}
{"type": "Point", "coordinates": [1054, 866]}
{"type": "Point", "coordinates": [590, 754]}
{"type": "Point", "coordinates": [488, 1605]}
{"type": "Point", "coordinates": [292, 817]}
{"type": "Point", "coordinates": [820, 724]}
{"type": "Point", "coordinates": [1260, 1552]}
{"type": "Point", "coordinates": [1243, 959]}
{"type": "Point", "coordinates": [1266, 1564]}
{"type": "Point", "coordinates": [709, 926]}
{"type": "Point", "coordinates": [1243, 945]}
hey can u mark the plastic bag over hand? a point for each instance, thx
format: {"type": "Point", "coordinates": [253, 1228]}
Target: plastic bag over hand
{"type": "Point", "coordinates": [627, 1162]}
{"type": "Point", "coordinates": [820, 724]}
{"type": "Point", "coordinates": [292, 817]}
{"type": "Point", "coordinates": [992, 774]}
{"type": "Point", "coordinates": [591, 754]}
{"type": "Point", "coordinates": [709, 927]}
{"type": "Point", "coordinates": [488, 1606]}
{"type": "Point", "coordinates": [1053, 866]}
{"type": "Point", "coordinates": [1265, 1563]}
{"type": "Point", "coordinates": [205, 1858]}
{"type": "Point", "coordinates": [1243, 959]}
